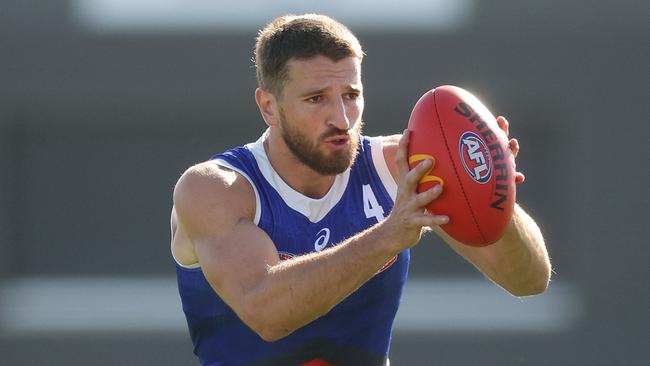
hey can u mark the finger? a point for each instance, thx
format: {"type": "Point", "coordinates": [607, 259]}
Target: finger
{"type": "Point", "coordinates": [415, 175]}
{"type": "Point", "coordinates": [424, 198]}
{"type": "Point", "coordinates": [513, 144]}
{"type": "Point", "coordinates": [427, 220]}
{"type": "Point", "coordinates": [503, 124]}
{"type": "Point", "coordinates": [401, 160]}
{"type": "Point", "coordinates": [519, 178]}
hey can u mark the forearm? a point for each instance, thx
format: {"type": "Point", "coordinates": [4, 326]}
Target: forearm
{"type": "Point", "coordinates": [519, 260]}
{"type": "Point", "coordinates": [296, 292]}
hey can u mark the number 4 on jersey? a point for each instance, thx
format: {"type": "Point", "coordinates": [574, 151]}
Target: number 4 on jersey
{"type": "Point", "coordinates": [370, 205]}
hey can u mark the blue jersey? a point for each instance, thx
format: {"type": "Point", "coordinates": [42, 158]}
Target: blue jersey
{"type": "Point", "coordinates": [357, 331]}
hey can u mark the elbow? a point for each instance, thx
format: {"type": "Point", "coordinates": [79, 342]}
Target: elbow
{"type": "Point", "coordinates": [266, 326]}
{"type": "Point", "coordinates": [529, 290]}
{"type": "Point", "coordinates": [270, 334]}
{"type": "Point", "coordinates": [534, 286]}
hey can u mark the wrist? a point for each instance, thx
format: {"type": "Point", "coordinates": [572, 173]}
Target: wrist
{"type": "Point", "coordinates": [388, 239]}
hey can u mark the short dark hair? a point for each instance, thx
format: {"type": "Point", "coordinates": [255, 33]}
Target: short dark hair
{"type": "Point", "coordinates": [299, 37]}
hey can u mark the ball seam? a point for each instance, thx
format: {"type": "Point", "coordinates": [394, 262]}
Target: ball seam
{"type": "Point", "coordinates": [453, 166]}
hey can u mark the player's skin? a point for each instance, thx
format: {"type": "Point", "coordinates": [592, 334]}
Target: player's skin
{"type": "Point", "coordinates": [212, 219]}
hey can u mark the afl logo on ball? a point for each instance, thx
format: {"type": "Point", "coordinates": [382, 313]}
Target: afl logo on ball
{"type": "Point", "coordinates": [476, 157]}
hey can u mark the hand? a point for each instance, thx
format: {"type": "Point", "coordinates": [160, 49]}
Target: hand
{"type": "Point", "coordinates": [513, 144]}
{"type": "Point", "coordinates": [408, 216]}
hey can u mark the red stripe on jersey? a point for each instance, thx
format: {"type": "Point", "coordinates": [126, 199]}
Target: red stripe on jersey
{"type": "Point", "coordinates": [317, 362]}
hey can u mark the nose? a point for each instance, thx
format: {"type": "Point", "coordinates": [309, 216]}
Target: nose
{"type": "Point", "coordinates": [339, 115]}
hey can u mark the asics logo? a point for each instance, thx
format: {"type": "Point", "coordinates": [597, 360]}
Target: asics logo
{"type": "Point", "coordinates": [322, 239]}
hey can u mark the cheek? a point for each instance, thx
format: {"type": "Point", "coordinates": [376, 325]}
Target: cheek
{"type": "Point", "coordinates": [357, 109]}
{"type": "Point", "coordinates": [302, 120]}
{"type": "Point", "coordinates": [309, 115]}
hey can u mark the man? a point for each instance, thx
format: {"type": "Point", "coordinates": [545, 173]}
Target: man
{"type": "Point", "coordinates": [293, 250]}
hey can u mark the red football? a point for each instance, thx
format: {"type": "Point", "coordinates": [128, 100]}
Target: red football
{"type": "Point", "coordinates": [472, 162]}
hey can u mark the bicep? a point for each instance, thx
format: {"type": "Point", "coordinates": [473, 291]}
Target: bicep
{"type": "Point", "coordinates": [237, 262]}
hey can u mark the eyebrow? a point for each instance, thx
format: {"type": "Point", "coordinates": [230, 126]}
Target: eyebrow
{"type": "Point", "coordinates": [322, 90]}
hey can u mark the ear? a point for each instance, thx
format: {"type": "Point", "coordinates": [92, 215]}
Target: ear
{"type": "Point", "coordinates": [268, 106]}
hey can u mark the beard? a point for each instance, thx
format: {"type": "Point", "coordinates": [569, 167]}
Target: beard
{"type": "Point", "coordinates": [308, 152]}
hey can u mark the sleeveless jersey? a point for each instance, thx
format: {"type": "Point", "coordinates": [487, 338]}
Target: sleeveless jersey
{"type": "Point", "coordinates": [357, 331]}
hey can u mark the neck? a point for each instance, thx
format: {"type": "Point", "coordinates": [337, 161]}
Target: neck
{"type": "Point", "coordinates": [297, 175]}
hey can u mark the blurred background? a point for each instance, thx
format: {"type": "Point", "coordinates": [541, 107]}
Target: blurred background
{"type": "Point", "coordinates": [104, 103]}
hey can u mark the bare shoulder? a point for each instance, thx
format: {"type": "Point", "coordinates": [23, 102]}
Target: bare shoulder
{"type": "Point", "coordinates": [389, 145]}
{"type": "Point", "coordinates": [391, 139]}
{"type": "Point", "coordinates": [207, 192]}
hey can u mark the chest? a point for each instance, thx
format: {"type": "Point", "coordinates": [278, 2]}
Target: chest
{"type": "Point", "coordinates": [360, 207]}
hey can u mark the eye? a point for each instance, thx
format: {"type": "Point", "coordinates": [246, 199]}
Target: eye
{"type": "Point", "coordinates": [352, 96]}
{"type": "Point", "coordinates": [315, 99]}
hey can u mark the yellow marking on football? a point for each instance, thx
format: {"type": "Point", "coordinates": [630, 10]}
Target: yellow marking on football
{"type": "Point", "coordinates": [427, 177]}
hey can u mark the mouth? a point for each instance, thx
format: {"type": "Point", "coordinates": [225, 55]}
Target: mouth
{"type": "Point", "coordinates": [338, 141]}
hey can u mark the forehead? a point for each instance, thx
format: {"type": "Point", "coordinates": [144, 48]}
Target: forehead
{"type": "Point", "coordinates": [322, 72]}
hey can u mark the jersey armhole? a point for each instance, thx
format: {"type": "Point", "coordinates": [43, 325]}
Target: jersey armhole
{"type": "Point", "coordinates": [379, 161]}
{"type": "Point", "coordinates": [225, 164]}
